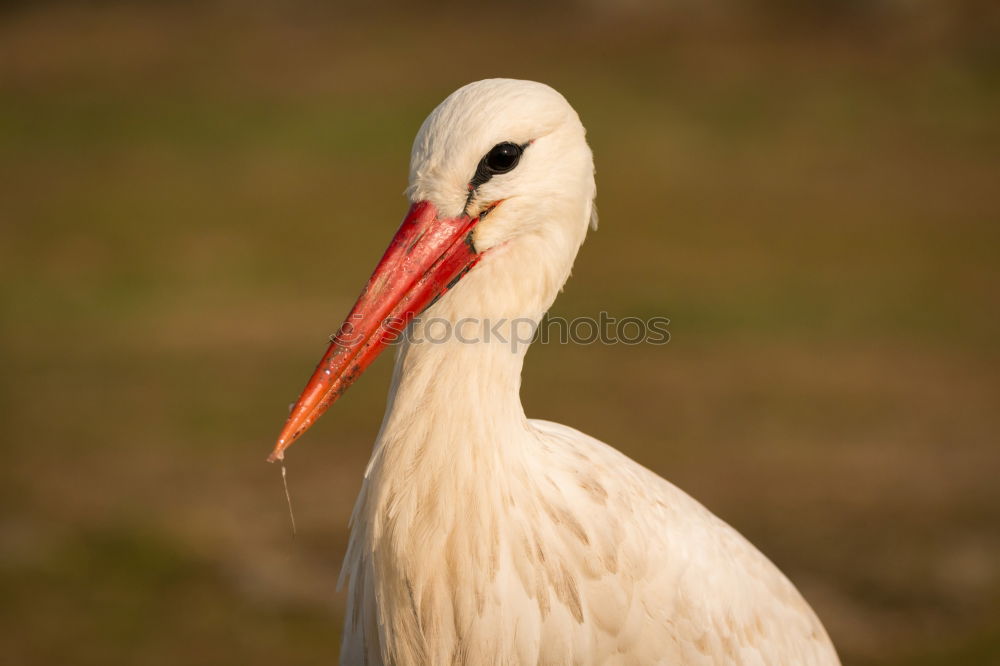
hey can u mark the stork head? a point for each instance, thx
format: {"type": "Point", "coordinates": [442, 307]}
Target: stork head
{"type": "Point", "coordinates": [501, 191]}
{"type": "Point", "coordinates": [510, 152]}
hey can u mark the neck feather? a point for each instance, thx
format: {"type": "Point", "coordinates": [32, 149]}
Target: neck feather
{"type": "Point", "coordinates": [452, 459]}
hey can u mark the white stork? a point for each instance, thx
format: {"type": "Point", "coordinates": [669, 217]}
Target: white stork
{"type": "Point", "coordinates": [481, 536]}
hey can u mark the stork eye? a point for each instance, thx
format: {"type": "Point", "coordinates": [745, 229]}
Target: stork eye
{"type": "Point", "coordinates": [503, 157]}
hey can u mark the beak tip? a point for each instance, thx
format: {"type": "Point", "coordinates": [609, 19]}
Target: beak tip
{"type": "Point", "coordinates": [289, 434]}
{"type": "Point", "coordinates": [278, 454]}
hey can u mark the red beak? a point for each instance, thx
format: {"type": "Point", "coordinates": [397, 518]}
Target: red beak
{"type": "Point", "coordinates": [426, 257]}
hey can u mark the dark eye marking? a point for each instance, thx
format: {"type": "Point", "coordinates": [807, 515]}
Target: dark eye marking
{"type": "Point", "coordinates": [502, 158]}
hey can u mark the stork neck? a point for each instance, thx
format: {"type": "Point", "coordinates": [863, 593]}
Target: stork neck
{"type": "Point", "coordinates": [458, 377]}
{"type": "Point", "coordinates": [456, 386]}
{"type": "Point", "coordinates": [454, 414]}
{"type": "Point", "coordinates": [457, 391]}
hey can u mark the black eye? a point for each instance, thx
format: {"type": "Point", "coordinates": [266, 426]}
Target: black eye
{"type": "Point", "coordinates": [502, 158]}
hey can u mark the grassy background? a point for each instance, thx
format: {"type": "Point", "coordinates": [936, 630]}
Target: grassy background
{"type": "Point", "coordinates": [191, 197]}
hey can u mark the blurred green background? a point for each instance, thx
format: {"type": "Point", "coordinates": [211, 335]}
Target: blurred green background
{"type": "Point", "coordinates": [192, 194]}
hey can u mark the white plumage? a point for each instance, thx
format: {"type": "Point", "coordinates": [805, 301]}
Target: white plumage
{"type": "Point", "coordinates": [483, 537]}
